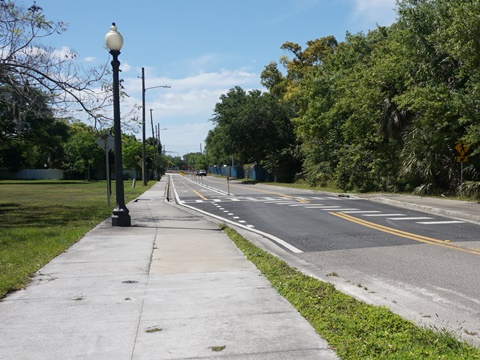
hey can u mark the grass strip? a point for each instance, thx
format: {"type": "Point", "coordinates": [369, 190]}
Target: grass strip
{"type": "Point", "coordinates": [355, 330]}
{"type": "Point", "coordinates": [41, 219]}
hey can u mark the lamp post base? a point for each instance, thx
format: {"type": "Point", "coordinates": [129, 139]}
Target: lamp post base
{"type": "Point", "coordinates": [121, 218]}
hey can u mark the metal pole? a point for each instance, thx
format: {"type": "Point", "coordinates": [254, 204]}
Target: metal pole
{"type": "Point", "coordinates": [121, 215]}
{"type": "Point", "coordinates": [154, 147]}
{"type": "Point", "coordinates": [107, 170]}
{"type": "Point", "coordinates": [461, 173]}
{"type": "Point", "coordinates": [144, 161]}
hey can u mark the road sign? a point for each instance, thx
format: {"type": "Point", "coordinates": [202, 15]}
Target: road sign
{"type": "Point", "coordinates": [462, 149]}
{"type": "Point", "coordinates": [462, 159]}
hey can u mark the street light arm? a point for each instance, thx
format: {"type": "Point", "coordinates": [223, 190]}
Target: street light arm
{"type": "Point", "coordinates": [160, 86]}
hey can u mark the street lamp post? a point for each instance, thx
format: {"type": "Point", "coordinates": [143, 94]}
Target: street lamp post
{"type": "Point", "coordinates": [121, 217]}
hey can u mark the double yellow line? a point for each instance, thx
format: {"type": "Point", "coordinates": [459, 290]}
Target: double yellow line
{"type": "Point", "coordinates": [423, 239]}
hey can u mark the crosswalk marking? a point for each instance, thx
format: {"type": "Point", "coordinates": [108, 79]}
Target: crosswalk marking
{"type": "Point", "coordinates": [441, 222]}
{"type": "Point", "coordinates": [343, 210]}
{"type": "Point", "coordinates": [328, 207]}
{"type": "Point", "coordinates": [384, 215]}
{"type": "Point", "coordinates": [410, 218]}
{"type": "Point", "coordinates": [294, 202]}
{"type": "Point", "coordinates": [362, 212]}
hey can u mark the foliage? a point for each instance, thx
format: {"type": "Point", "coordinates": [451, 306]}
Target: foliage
{"type": "Point", "coordinates": [254, 127]}
{"type": "Point", "coordinates": [27, 63]}
{"type": "Point", "coordinates": [196, 161]}
{"type": "Point", "coordinates": [82, 154]}
{"type": "Point", "coordinates": [384, 110]}
{"type": "Point", "coordinates": [30, 136]}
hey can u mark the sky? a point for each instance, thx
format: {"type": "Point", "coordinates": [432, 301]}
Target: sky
{"type": "Point", "coordinates": [200, 48]}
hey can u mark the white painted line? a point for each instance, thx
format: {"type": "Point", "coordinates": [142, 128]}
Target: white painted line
{"type": "Point", "coordinates": [235, 199]}
{"type": "Point", "coordinates": [217, 200]}
{"type": "Point", "coordinates": [410, 218]}
{"type": "Point", "coordinates": [322, 207]}
{"type": "Point", "coordinates": [385, 215]}
{"type": "Point", "coordinates": [199, 201]}
{"type": "Point", "coordinates": [297, 205]}
{"type": "Point", "coordinates": [250, 226]}
{"type": "Point", "coordinates": [230, 214]}
{"type": "Point", "coordinates": [267, 235]}
{"type": "Point", "coordinates": [340, 209]}
{"type": "Point", "coordinates": [236, 217]}
{"type": "Point", "coordinates": [225, 211]}
{"type": "Point", "coordinates": [440, 222]}
{"type": "Point", "coordinates": [362, 212]}
{"type": "Point", "coordinates": [318, 198]}
{"type": "Point", "coordinates": [242, 221]}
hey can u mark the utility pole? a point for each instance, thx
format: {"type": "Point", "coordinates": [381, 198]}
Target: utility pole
{"type": "Point", "coordinates": [144, 161]}
{"type": "Point", "coordinates": [144, 155]}
{"type": "Point", "coordinates": [155, 171]}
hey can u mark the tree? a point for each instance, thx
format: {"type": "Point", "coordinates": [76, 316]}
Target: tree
{"type": "Point", "coordinates": [253, 127]}
{"type": "Point", "coordinates": [27, 64]}
{"type": "Point", "coordinates": [33, 137]}
{"type": "Point", "coordinates": [82, 154]}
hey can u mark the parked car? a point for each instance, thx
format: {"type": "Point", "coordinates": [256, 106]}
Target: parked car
{"type": "Point", "coordinates": [202, 172]}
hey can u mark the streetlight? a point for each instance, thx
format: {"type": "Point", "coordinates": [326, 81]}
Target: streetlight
{"type": "Point", "coordinates": [144, 90]}
{"type": "Point", "coordinates": [114, 42]}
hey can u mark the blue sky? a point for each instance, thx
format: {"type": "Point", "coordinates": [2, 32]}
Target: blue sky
{"type": "Point", "coordinates": [201, 48]}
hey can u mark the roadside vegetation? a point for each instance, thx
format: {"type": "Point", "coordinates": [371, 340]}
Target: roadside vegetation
{"type": "Point", "coordinates": [354, 329]}
{"type": "Point", "coordinates": [394, 109]}
{"type": "Point", "coordinates": [41, 219]}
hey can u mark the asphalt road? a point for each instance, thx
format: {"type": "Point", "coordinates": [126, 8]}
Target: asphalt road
{"type": "Point", "coordinates": [423, 266]}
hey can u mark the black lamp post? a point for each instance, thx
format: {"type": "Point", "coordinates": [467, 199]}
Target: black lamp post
{"type": "Point", "coordinates": [114, 42]}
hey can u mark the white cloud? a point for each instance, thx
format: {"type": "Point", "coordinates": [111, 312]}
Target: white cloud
{"type": "Point", "coordinates": [90, 59]}
{"type": "Point", "coordinates": [187, 106]}
{"type": "Point", "coordinates": [379, 11]}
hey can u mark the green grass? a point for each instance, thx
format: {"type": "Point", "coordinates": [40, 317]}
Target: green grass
{"type": "Point", "coordinates": [355, 330]}
{"type": "Point", "coordinates": [40, 219]}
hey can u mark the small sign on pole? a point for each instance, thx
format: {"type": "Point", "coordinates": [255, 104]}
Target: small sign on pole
{"type": "Point", "coordinates": [462, 149]}
{"type": "Point", "coordinates": [106, 142]}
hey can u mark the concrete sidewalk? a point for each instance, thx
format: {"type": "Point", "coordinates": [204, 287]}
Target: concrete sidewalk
{"type": "Point", "coordinates": [172, 286]}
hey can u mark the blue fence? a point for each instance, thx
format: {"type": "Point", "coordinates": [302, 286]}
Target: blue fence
{"type": "Point", "coordinates": [254, 172]}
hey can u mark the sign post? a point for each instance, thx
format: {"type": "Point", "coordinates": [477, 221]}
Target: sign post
{"type": "Point", "coordinates": [106, 143]}
{"type": "Point", "coordinates": [462, 149]}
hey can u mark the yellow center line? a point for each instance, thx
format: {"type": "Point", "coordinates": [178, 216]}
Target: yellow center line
{"type": "Point", "coordinates": [423, 239]}
{"type": "Point", "coordinates": [201, 196]}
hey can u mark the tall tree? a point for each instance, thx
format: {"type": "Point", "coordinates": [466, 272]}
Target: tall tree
{"type": "Point", "coordinates": [27, 63]}
{"type": "Point", "coordinates": [32, 138]}
{"type": "Point", "coordinates": [254, 127]}
{"type": "Point", "coordinates": [82, 154]}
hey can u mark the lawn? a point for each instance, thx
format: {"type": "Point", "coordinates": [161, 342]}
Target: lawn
{"type": "Point", "coordinates": [40, 219]}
